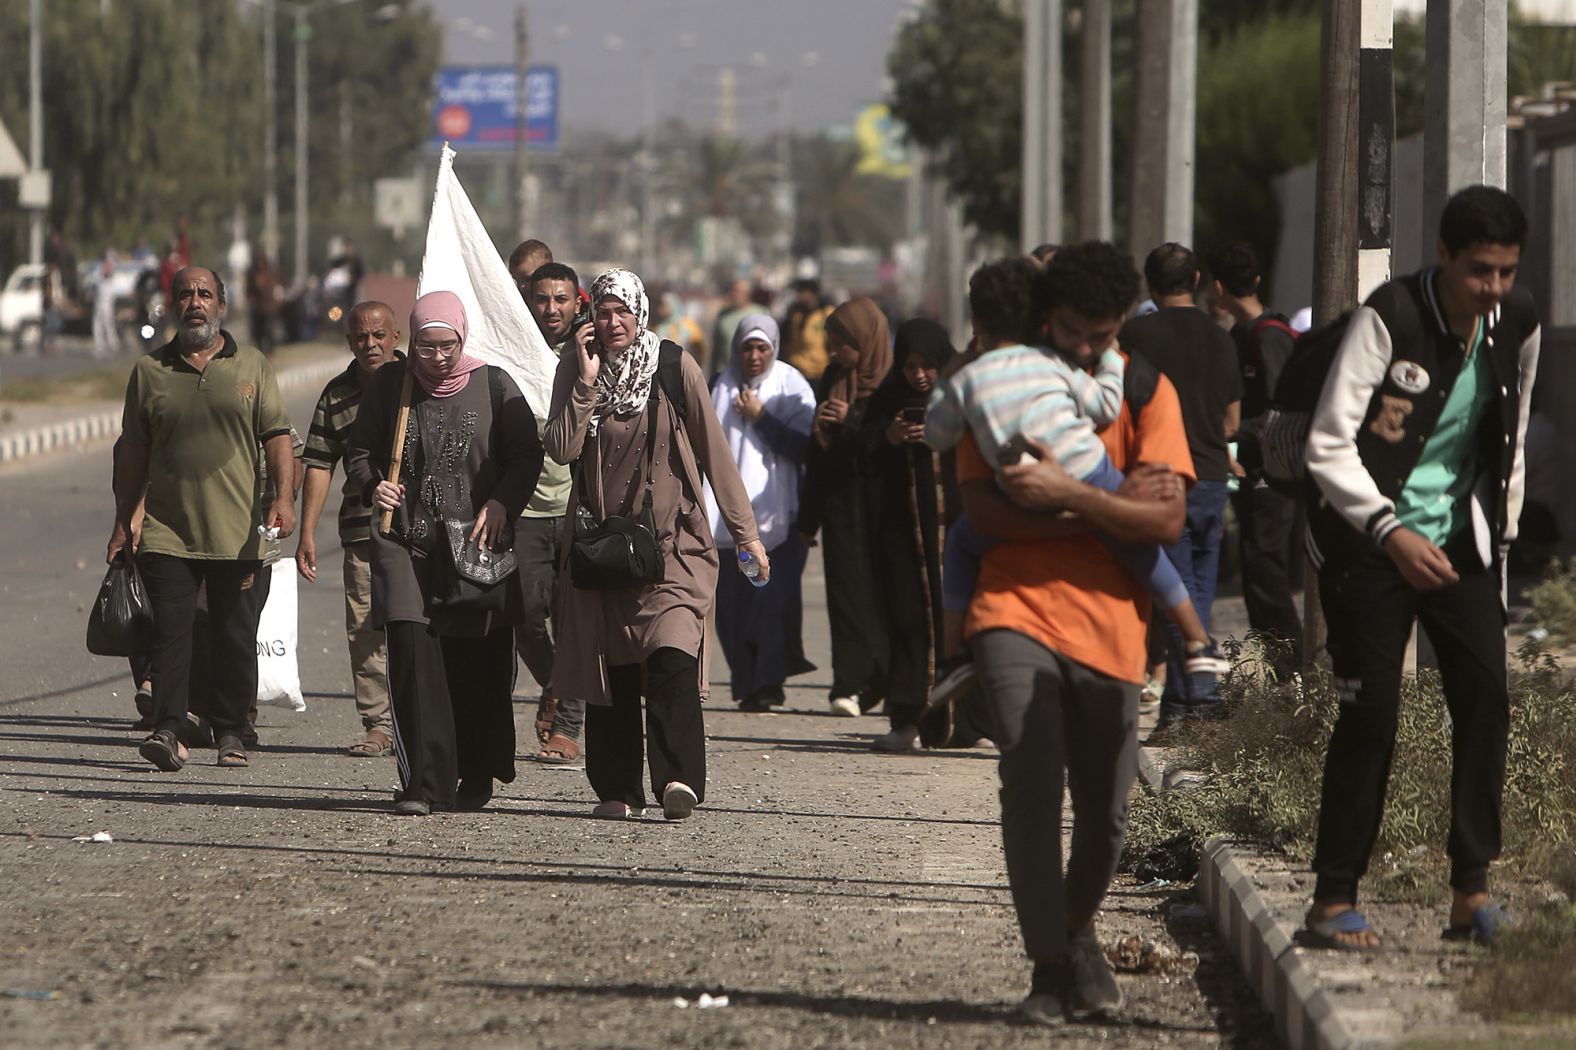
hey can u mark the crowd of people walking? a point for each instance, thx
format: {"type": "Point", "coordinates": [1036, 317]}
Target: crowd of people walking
{"type": "Point", "coordinates": [995, 523]}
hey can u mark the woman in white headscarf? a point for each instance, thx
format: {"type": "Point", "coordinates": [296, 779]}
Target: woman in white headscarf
{"type": "Point", "coordinates": [767, 409]}
{"type": "Point", "coordinates": [616, 644]}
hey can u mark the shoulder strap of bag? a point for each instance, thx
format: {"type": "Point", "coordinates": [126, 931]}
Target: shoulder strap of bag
{"type": "Point", "coordinates": [1139, 382]}
{"type": "Point", "coordinates": [670, 377]}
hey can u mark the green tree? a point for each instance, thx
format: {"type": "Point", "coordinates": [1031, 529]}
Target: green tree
{"type": "Point", "coordinates": [837, 206]}
{"type": "Point", "coordinates": [1258, 105]}
{"type": "Point", "coordinates": [957, 85]}
{"type": "Point", "coordinates": [153, 109]}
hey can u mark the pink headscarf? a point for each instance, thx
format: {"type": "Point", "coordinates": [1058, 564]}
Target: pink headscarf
{"type": "Point", "coordinates": [442, 310]}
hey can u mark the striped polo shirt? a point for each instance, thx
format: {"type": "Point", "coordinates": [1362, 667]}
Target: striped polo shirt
{"type": "Point", "coordinates": [329, 440]}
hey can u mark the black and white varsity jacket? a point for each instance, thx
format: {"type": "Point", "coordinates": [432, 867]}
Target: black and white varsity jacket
{"type": "Point", "coordinates": [1382, 399]}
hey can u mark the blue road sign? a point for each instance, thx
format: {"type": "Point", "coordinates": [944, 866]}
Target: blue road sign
{"type": "Point", "coordinates": [473, 107]}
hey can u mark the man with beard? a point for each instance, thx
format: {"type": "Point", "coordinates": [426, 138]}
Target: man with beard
{"type": "Point", "coordinates": [554, 300]}
{"type": "Point", "coordinates": [374, 338]}
{"type": "Point", "coordinates": [196, 412]}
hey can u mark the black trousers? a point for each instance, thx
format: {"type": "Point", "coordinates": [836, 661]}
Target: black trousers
{"type": "Point", "coordinates": [1370, 610]}
{"type": "Point", "coordinates": [450, 702]}
{"type": "Point", "coordinates": [674, 740]}
{"type": "Point", "coordinates": [538, 543]}
{"type": "Point", "coordinates": [853, 607]}
{"type": "Point", "coordinates": [234, 605]}
{"type": "Point", "coordinates": [906, 611]}
{"type": "Point", "coordinates": [1266, 521]}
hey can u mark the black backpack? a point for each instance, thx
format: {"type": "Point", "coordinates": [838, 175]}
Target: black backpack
{"type": "Point", "coordinates": [1282, 436]}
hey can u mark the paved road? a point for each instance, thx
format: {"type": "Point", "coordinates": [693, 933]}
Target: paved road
{"type": "Point", "coordinates": [839, 898]}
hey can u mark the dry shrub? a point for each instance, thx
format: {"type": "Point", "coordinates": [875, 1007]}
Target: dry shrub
{"type": "Point", "coordinates": [1553, 600]}
{"type": "Point", "coordinates": [1265, 766]}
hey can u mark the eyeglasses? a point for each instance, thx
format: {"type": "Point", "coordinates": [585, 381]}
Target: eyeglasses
{"type": "Point", "coordinates": [448, 349]}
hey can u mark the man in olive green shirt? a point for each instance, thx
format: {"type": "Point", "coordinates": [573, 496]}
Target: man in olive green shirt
{"type": "Point", "coordinates": [196, 412]}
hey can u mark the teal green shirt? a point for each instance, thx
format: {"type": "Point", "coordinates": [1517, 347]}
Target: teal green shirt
{"type": "Point", "coordinates": [1432, 502]}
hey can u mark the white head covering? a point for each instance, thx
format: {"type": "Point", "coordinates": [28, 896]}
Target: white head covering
{"type": "Point", "coordinates": [624, 381]}
{"type": "Point", "coordinates": [770, 474]}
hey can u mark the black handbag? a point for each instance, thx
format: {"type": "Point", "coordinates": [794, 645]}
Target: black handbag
{"type": "Point", "coordinates": [474, 560]}
{"type": "Point", "coordinates": [619, 552]}
{"type": "Point", "coordinates": [121, 620]}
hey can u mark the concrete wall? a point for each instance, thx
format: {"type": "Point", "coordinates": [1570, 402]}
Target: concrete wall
{"type": "Point", "coordinates": [1292, 286]}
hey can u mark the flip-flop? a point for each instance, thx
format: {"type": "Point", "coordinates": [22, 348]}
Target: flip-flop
{"type": "Point", "coordinates": [1486, 923]}
{"type": "Point", "coordinates": [1323, 934]}
{"type": "Point", "coordinates": [163, 750]}
{"type": "Point", "coordinates": [232, 752]}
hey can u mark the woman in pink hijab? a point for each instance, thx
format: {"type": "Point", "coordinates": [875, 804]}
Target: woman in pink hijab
{"type": "Point", "coordinates": [470, 459]}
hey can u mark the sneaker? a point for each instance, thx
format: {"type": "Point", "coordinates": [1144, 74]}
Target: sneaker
{"type": "Point", "coordinates": [898, 741]}
{"type": "Point", "coordinates": [617, 811]}
{"type": "Point", "coordinates": [846, 706]}
{"type": "Point", "coordinates": [678, 801]}
{"type": "Point", "coordinates": [1206, 659]}
{"type": "Point", "coordinates": [1091, 984]}
{"type": "Point", "coordinates": [412, 807]}
{"type": "Point", "coordinates": [1046, 1003]}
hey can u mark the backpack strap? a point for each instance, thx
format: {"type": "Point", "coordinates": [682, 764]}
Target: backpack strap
{"type": "Point", "coordinates": [1268, 320]}
{"type": "Point", "coordinates": [1140, 380]}
{"type": "Point", "coordinates": [670, 377]}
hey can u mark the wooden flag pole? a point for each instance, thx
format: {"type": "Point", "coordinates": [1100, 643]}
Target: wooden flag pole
{"type": "Point", "coordinates": [386, 525]}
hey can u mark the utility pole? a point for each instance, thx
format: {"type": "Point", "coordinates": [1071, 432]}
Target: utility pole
{"type": "Point", "coordinates": [1353, 203]}
{"type": "Point", "coordinates": [1166, 89]}
{"type": "Point", "coordinates": [303, 35]}
{"type": "Point", "coordinates": [1094, 132]}
{"type": "Point", "coordinates": [1464, 104]}
{"type": "Point", "coordinates": [522, 204]}
{"type": "Point", "coordinates": [35, 123]}
{"type": "Point", "coordinates": [270, 136]}
{"type": "Point", "coordinates": [1041, 219]}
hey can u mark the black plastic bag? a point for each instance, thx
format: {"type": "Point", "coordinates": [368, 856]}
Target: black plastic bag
{"type": "Point", "coordinates": [121, 622]}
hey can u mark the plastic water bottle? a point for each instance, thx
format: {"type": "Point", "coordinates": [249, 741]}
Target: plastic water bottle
{"type": "Point", "coordinates": [751, 569]}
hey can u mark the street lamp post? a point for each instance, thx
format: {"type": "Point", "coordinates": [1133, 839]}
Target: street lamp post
{"type": "Point", "coordinates": [270, 137]}
{"type": "Point", "coordinates": [35, 123]}
{"type": "Point", "coordinates": [303, 36]}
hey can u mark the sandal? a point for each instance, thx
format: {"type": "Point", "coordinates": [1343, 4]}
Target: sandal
{"type": "Point", "coordinates": [232, 753]}
{"type": "Point", "coordinates": [546, 712]}
{"type": "Point", "coordinates": [375, 744]}
{"type": "Point", "coordinates": [558, 750]}
{"type": "Point", "coordinates": [163, 750]}
{"type": "Point", "coordinates": [1486, 923]}
{"type": "Point", "coordinates": [1328, 932]}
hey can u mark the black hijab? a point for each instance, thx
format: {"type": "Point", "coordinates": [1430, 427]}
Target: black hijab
{"type": "Point", "coordinates": [922, 336]}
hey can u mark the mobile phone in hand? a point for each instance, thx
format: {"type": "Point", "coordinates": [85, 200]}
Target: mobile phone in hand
{"type": "Point", "coordinates": [914, 414]}
{"type": "Point", "coordinates": [1016, 452]}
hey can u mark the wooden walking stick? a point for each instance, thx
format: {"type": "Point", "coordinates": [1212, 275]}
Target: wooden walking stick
{"type": "Point", "coordinates": [386, 525]}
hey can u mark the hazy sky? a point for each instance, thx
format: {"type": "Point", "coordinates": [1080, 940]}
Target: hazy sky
{"type": "Point", "coordinates": [832, 51]}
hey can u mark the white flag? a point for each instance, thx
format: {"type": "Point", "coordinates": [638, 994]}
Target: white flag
{"type": "Point", "coordinates": [460, 258]}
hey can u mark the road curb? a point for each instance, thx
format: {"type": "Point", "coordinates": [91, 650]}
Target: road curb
{"type": "Point", "coordinates": [105, 426]}
{"type": "Point", "coordinates": [1305, 1017]}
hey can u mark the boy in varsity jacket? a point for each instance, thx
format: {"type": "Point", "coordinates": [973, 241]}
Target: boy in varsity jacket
{"type": "Point", "coordinates": [1416, 449]}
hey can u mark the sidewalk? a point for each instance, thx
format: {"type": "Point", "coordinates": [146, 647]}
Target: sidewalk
{"type": "Point", "coordinates": [33, 428]}
{"type": "Point", "coordinates": [837, 897]}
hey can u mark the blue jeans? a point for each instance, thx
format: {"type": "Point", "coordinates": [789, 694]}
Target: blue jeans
{"type": "Point", "coordinates": [1197, 558]}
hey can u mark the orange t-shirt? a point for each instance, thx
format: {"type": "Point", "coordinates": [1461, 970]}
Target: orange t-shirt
{"type": "Point", "coordinates": [1071, 594]}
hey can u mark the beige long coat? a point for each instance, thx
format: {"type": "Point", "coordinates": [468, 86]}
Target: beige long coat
{"type": "Point", "coordinates": [612, 628]}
